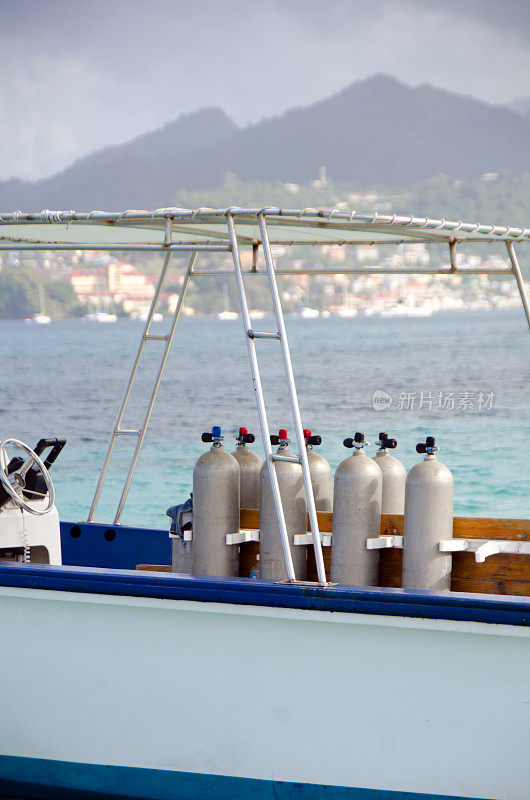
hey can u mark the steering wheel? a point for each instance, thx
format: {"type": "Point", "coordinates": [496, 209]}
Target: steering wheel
{"type": "Point", "coordinates": [14, 483]}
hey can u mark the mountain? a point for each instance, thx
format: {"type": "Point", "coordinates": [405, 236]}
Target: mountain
{"type": "Point", "coordinates": [375, 132]}
{"type": "Point", "coordinates": [136, 174]}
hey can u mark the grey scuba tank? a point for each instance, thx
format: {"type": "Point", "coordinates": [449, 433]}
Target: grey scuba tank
{"type": "Point", "coordinates": [429, 494]}
{"type": "Point", "coordinates": [356, 517]}
{"type": "Point", "coordinates": [292, 493]}
{"type": "Point", "coordinates": [249, 469]}
{"type": "Point", "coordinates": [320, 471]}
{"type": "Point", "coordinates": [215, 509]}
{"type": "Point", "coordinates": [394, 476]}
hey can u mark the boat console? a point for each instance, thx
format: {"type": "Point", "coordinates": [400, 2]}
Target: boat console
{"type": "Point", "coordinates": [29, 521]}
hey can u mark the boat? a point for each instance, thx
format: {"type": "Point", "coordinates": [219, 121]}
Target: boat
{"type": "Point", "coordinates": [41, 318]}
{"type": "Point", "coordinates": [100, 316]}
{"type": "Point", "coordinates": [403, 310]}
{"type": "Point", "coordinates": [124, 679]}
{"type": "Point", "coordinates": [226, 315]}
{"type": "Point", "coordinates": [143, 315]}
{"type": "Point", "coordinates": [348, 312]}
{"type": "Point", "coordinates": [309, 313]}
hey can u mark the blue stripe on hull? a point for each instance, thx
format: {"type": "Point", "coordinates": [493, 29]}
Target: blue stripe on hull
{"type": "Point", "coordinates": [63, 780]}
{"type": "Point", "coordinates": [503, 610]}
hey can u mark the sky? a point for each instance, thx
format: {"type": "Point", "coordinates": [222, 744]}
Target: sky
{"type": "Point", "coordinates": [79, 75]}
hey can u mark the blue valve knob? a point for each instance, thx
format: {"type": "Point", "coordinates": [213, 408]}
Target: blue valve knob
{"type": "Point", "coordinates": [216, 431]}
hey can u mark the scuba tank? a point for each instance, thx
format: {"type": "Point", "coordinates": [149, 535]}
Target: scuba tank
{"type": "Point", "coordinates": [320, 471]}
{"type": "Point", "coordinates": [429, 492]}
{"type": "Point", "coordinates": [356, 517]}
{"type": "Point", "coordinates": [215, 509]}
{"type": "Point", "coordinates": [249, 467]}
{"type": "Point", "coordinates": [394, 476]}
{"type": "Point", "coordinates": [292, 493]}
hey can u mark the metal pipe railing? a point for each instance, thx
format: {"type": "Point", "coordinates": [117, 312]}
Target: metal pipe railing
{"type": "Point", "coordinates": [520, 281]}
{"type": "Point", "coordinates": [363, 271]}
{"type": "Point", "coordinates": [260, 402]}
{"type": "Point", "coordinates": [289, 375]}
{"type": "Point", "coordinates": [283, 215]}
{"type": "Point", "coordinates": [159, 248]}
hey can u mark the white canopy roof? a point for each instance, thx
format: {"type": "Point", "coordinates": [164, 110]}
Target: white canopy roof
{"type": "Point", "coordinates": [206, 226]}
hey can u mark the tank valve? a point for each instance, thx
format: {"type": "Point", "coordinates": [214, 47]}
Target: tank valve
{"type": "Point", "coordinates": [358, 441]}
{"type": "Point", "coordinates": [244, 437]}
{"type": "Point", "coordinates": [311, 440]}
{"type": "Point", "coordinates": [385, 443]}
{"type": "Point", "coordinates": [281, 439]}
{"type": "Point", "coordinates": [214, 437]}
{"type": "Point", "coordinates": [427, 446]}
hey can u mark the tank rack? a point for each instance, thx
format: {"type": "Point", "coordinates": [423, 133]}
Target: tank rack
{"type": "Point", "coordinates": [490, 556]}
{"type": "Point", "coordinates": [482, 548]}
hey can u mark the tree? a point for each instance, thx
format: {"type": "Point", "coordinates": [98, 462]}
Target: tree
{"type": "Point", "coordinates": [18, 294]}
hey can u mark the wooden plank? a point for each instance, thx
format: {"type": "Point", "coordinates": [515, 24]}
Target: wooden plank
{"type": "Point", "coordinates": [154, 567]}
{"type": "Point", "coordinates": [463, 527]}
{"type": "Point", "coordinates": [249, 518]}
{"type": "Point", "coordinates": [498, 567]}
{"type": "Point", "coordinates": [484, 528]}
{"type": "Point", "coordinates": [491, 587]}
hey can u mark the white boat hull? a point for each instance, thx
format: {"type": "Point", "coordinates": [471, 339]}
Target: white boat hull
{"type": "Point", "coordinates": [192, 695]}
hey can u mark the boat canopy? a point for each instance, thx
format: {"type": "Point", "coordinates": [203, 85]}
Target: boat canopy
{"type": "Point", "coordinates": [174, 230]}
{"type": "Point", "coordinates": [206, 227]}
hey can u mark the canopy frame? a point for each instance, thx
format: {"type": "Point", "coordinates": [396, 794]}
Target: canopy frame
{"type": "Point", "coordinates": [168, 225]}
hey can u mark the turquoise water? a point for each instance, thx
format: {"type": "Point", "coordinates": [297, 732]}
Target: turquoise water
{"type": "Point", "coordinates": [66, 379]}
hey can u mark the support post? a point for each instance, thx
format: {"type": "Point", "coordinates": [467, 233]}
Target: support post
{"type": "Point", "coordinates": [452, 255]}
{"type": "Point", "coordinates": [260, 402]}
{"type": "Point", "coordinates": [516, 269]}
{"type": "Point", "coordinates": [317, 544]}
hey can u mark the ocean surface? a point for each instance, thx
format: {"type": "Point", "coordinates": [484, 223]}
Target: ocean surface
{"type": "Point", "coordinates": [462, 377]}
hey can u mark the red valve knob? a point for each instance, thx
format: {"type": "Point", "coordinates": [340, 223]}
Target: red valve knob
{"type": "Point", "coordinates": [307, 433]}
{"type": "Point", "coordinates": [243, 431]}
{"type": "Point", "coordinates": [282, 433]}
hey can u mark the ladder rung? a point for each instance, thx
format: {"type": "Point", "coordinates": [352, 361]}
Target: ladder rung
{"type": "Point", "coordinates": [156, 337]}
{"type": "Point", "coordinates": [125, 432]}
{"type": "Point", "coordinates": [263, 334]}
{"type": "Point", "coordinates": [290, 459]}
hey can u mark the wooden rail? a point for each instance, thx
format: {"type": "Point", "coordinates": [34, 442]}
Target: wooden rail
{"type": "Point", "coordinates": [463, 527]}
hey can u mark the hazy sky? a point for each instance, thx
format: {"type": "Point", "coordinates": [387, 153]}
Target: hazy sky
{"type": "Point", "coordinates": [79, 75]}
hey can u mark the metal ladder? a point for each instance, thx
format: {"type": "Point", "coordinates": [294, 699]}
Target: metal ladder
{"type": "Point", "coordinates": [140, 432]}
{"type": "Point", "coordinates": [251, 336]}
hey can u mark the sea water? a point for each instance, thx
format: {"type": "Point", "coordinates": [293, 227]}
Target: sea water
{"type": "Point", "coordinates": [463, 378]}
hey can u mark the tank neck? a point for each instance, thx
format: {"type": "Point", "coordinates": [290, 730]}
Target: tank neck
{"type": "Point", "coordinates": [430, 457]}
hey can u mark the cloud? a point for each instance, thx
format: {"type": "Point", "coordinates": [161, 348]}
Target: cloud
{"type": "Point", "coordinates": [79, 76]}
